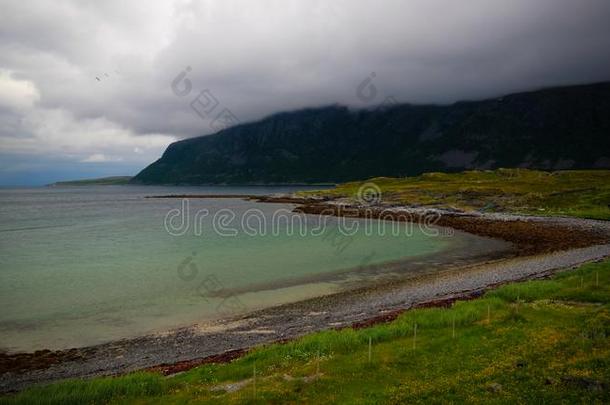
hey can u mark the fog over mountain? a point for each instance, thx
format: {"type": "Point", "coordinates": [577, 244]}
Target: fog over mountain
{"type": "Point", "coordinates": [86, 86]}
{"type": "Point", "coordinates": [553, 129]}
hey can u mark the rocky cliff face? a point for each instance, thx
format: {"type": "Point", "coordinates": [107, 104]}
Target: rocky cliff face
{"type": "Point", "coordinates": [558, 128]}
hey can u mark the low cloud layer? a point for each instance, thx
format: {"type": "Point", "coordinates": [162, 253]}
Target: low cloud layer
{"type": "Point", "coordinates": [86, 86]}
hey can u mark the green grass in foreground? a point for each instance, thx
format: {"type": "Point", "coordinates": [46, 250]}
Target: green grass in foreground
{"type": "Point", "coordinates": [579, 193]}
{"type": "Point", "coordinates": [534, 342]}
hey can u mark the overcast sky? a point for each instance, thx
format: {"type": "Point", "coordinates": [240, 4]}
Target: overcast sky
{"type": "Point", "coordinates": [86, 86]}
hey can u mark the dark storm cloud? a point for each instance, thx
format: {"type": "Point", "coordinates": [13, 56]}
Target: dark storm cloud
{"type": "Point", "coordinates": [90, 81]}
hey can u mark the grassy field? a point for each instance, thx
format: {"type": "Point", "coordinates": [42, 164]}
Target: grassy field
{"type": "Point", "coordinates": [544, 341]}
{"type": "Point", "coordinates": [579, 193]}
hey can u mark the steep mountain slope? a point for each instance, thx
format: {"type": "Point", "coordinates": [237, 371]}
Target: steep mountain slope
{"type": "Point", "coordinates": [558, 128]}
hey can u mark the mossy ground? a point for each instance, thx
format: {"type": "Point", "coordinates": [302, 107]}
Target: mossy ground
{"type": "Point", "coordinates": [578, 193]}
{"type": "Point", "coordinates": [544, 341]}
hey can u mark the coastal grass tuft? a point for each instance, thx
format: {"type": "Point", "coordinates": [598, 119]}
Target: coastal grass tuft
{"type": "Point", "coordinates": [576, 193]}
{"type": "Point", "coordinates": [96, 391]}
{"type": "Point", "coordinates": [544, 341]}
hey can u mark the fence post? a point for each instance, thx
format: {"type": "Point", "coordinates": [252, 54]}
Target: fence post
{"type": "Point", "coordinates": [453, 327]}
{"type": "Point", "coordinates": [597, 278]}
{"type": "Point", "coordinates": [414, 335]}
{"type": "Point", "coordinates": [254, 379]}
{"type": "Point", "coordinates": [488, 314]}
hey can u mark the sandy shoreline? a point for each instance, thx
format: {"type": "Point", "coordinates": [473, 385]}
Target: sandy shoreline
{"type": "Point", "coordinates": [544, 245]}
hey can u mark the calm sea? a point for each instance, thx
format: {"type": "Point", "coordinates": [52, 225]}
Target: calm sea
{"type": "Point", "coordinates": [85, 265]}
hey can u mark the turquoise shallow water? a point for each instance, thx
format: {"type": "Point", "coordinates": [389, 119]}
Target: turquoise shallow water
{"type": "Point", "coordinates": [85, 265]}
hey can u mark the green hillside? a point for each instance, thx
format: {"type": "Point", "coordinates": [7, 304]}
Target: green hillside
{"type": "Point", "coordinates": [579, 193]}
{"type": "Point", "coordinates": [552, 129]}
{"type": "Point", "coordinates": [102, 181]}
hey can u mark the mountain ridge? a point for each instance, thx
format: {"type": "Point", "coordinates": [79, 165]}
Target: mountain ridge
{"type": "Point", "coordinates": [539, 129]}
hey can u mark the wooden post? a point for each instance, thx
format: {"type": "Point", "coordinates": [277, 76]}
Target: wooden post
{"type": "Point", "coordinates": [596, 278]}
{"type": "Point", "coordinates": [254, 380]}
{"type": "Point", "coordinates": [453, 328]}
{"type": "Point", "coordinates": [370, 344]}
{"type": "Point", "coordinates": [488, 314]}
{"type": "Point", "coordinates": [414, 335]}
